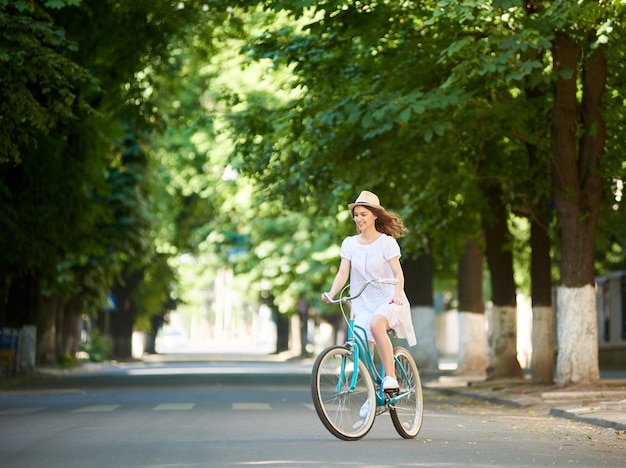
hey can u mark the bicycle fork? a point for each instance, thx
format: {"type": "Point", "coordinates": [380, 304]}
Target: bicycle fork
{"type": "Point", "coordinates": [355, 372]}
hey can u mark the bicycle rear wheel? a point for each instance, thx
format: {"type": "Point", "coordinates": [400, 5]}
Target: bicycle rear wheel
{"type": "Point", "coordinates": [407, 413]}
{"type": "Point", "coordinates": [347, 414]}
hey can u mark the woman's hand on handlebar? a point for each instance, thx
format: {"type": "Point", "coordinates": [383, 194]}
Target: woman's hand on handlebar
{"type": "Point", "coordinates": [326, 298]}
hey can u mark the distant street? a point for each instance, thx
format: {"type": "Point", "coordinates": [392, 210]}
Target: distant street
{"type": "Point", "coordinates": [260, 414]}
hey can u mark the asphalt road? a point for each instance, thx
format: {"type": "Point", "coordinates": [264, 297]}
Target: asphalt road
{"type": "Point", "coordinates": [261, 415]}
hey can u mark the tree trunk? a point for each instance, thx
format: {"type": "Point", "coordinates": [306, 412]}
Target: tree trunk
{"type": "Point", "coordinates": [542, 360]}
{"type": "Point", "coordinates": [418, 285]}
{"type": "Point", "coordinates": [578, 196]}
{"type": "Point", "coordinates": [282, 323]}
{"type": "Point", "coordinates": [542, 341]}
{"type": "Point", "coordinates": [4, 293]}
{"type": "Point", "coordinates": [503, 330]}
{"type": "Point", "coordinates": [122, 319]}
{"type": "Point", "coordinates": [282, 332]}
{"type": "Point", "coordinates": [156, 322]}
{"type": "Point", "coordinates": [70, 328]}
{"type": "Point", "coordinates": [47, 330]}
{"type": "Point", "coordinates": [295, 334]}
{"type": "Point", "coordinates": [121, 327]}
{"type": "Point", "coordinates": [22, 301]}
{"type": "Point", "coordinates": [303, 309]}
{"type": "Point", "coordinates": [472, 329]}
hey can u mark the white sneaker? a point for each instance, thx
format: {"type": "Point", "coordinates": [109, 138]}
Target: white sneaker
{"type": "Point", "coordinates": [364, 412]}
{"type": "Point", "coordinates": [390, 385]}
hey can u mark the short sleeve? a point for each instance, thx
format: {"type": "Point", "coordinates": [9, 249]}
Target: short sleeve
{"type": "Point", "coordinates": [346, 249]}
{"type": "Point", "coordinates": [391, 248]}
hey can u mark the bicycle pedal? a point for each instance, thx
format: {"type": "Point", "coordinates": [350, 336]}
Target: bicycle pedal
{"type": "Point", "coordinates": [392, 391]}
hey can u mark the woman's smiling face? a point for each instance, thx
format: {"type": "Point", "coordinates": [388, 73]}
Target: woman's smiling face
{"type": "Point", "coordinates": [363, 218]}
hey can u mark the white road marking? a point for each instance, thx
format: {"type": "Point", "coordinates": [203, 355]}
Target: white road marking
{"type": "Point", "coordinates": [174, 407]}
{"type": "Point", "coordinates": [96, 409]}
{"type": "Point", "coordinates": [251, 406]}
{"type": "Point", "coordinates": [246, 406]}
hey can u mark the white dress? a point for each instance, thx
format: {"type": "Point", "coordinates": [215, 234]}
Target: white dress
{"type": "Point", "coordinates": [368, 262]}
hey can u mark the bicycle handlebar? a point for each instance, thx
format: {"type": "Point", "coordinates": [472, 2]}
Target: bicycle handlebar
{"type": "Point", "coordinates": [365, 285]}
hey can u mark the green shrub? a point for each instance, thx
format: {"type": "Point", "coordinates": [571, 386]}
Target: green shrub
{"type": "Point", "coordinates": [66, 361]}
{"type": "Point", "coordinates": [97, 346]}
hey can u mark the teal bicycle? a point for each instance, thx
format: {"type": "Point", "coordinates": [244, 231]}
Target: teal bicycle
{"type": "Point", "coordinates": [347, 386]}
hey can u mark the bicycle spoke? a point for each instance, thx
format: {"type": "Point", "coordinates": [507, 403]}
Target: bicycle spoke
{"type": "Point", "coordinates": [347, 411]}
{"type": "Point", "coordinates": [407, 410]}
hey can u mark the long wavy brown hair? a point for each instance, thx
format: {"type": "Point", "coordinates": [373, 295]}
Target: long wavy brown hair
{"type": "Point", "coordinates": [386, 222]}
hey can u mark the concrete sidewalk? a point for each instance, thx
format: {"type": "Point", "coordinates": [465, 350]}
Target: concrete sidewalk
{"type": "Point", "coordinates": [603, 404]}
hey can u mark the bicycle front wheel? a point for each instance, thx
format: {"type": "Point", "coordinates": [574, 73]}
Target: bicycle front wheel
{"type": "Point", "coordinates": [407, 413]}
{"type": "Point", "coordinates": [346, 410]}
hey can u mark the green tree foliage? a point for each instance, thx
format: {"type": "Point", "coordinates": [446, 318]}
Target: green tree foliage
{"type": "Point", "coordinates": [240, 130]}
{"type": "Point", "coordinates": [80, 212]}
{"type": "Point", "coordinates": [38, 77]}
{"type": "Point", "coordinates": [390, 91]}
{"type": "Point", "coordinates": [372, 101]}
{"type": "Point", "coordinates": [223, 215]}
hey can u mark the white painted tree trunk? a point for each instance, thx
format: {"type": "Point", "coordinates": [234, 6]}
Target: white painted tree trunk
{"type": "Point", "coordinates": [577, 335]}
{"type": "Point", "coordinates": [503, 361]}
{"type": "Point", "coordinates": [472, 344]}
{"type": "Point", "coordinates": [425, 353]}
{"type": "Point", "coordinates": [295, 335]}
{"type": "Point", "coordinates": [542, 360]}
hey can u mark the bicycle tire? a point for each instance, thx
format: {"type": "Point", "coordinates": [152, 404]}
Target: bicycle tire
{"type": "Point", "coordinates": [340, 410]}
{"type": "Point", "coordinates": [407, 413]}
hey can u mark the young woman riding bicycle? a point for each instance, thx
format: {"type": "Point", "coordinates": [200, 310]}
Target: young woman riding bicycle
{"type": "Point", "coordinates": [375, 253]}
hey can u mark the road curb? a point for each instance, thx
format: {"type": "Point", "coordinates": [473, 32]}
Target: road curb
{"type": "Point", "coordinates": [589, 416]}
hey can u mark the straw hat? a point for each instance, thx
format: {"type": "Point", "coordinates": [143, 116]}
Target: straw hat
{"type": "Point", "coordinates": [366, 198]}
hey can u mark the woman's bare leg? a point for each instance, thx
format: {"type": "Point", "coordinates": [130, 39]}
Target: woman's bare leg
{"type": "Point", "coordinates": [379, 327]}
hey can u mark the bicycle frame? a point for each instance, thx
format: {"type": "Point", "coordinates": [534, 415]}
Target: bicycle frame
{"type": "Point", "coordinates": [361, 350]}
{"type": "Point", "coordinates": [357, 342]}
{"type": "Point", "coordinates": [347, 388]}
